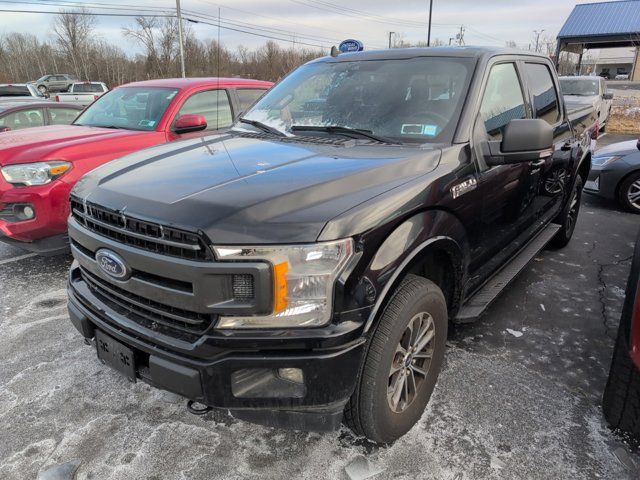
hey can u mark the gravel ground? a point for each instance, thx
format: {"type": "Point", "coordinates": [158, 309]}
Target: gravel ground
{"type": "Point", "coordinates": [519, 396]}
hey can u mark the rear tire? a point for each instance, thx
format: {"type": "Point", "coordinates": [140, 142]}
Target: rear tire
{"type": "Point", "coordinates": [42, 89]}
{"type": "Point", "coordinates": [568, 217]}
{"type": "Point", "coordinates": [629, 193]}
{"type": "Point", "coordinates": [621, 401]}
{"type": "Point", "coordinates": [400, 370]}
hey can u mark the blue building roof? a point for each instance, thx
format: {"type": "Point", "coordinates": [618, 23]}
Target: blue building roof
{"type": "Point", "coordinates": [602, 19]}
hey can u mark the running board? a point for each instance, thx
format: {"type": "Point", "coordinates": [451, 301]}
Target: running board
{"type": "Point", "coordinates": [476, 305]}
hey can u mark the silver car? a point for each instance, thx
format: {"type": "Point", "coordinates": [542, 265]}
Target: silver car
{"type": "Point", "coordinates": [615, 174]}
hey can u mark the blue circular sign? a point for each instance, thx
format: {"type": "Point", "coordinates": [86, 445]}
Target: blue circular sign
{"type": "Point", "coordinates": [351, 45]}
{"type": "Point", "coordinates": [112, 264]}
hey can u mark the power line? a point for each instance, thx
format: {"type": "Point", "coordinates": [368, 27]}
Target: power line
{"type": "Point", "coordinates": [92, 13]}
{"type": "Point", "coordinates": [226, 24]}
{"type": "Point", "coordinates": [280, 20]}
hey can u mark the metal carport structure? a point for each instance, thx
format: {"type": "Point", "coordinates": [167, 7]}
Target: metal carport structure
{"type": "Point", "coordinates": [602, 25]}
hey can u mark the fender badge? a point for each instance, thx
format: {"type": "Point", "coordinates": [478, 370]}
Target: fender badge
{"type": "Point", "coordinates": [464, 187]}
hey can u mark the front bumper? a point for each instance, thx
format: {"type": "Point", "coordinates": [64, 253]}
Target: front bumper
{"type": "Point", "coordinates": [329, 373]}
{"type": "Point", "coordinates": [51, 206]}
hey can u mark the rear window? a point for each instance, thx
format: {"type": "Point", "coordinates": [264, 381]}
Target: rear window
{"type": "Point", "coordinates": [87, 88]}
{"type": "Point", "coordinates": [14, 91]}
{"type": "Point", "coordinates": [249, 96]}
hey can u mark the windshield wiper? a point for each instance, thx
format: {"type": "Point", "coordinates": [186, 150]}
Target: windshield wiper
{"type": "Point", "coordinates": [262, 126]}
{"type": "Point", "coordinates": [343, 131]}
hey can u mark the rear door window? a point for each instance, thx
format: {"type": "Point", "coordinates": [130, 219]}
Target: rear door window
{"type": "Point", "coordinates": [33, 117]}
{"type": "Point", "coordinates": [543, 92]}
{"type": "Point", "coordinates": [63, 116]}
{"type": "Point", "coordinates": [214, 105]}
{"type": "Point", "coordinates": [503, 99]}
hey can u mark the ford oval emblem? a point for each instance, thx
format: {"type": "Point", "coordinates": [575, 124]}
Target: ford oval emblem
{"type": "Point", "coordinates": [351, 45]}
{"type": "Point", "coordinates": [112, 264]}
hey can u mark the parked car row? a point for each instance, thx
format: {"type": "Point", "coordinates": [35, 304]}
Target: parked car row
{"type": "Point", "coordinates": [301, 269]}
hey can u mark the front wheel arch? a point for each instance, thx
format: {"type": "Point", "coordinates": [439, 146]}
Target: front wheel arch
{"type": "Point", "coordinates": [414, 263]}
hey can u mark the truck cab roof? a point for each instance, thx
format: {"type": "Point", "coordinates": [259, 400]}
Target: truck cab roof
{"type": "Point", "coordinates": [446, 51]}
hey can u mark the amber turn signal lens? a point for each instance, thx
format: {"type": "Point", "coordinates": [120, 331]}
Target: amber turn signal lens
{"type": "Point", "coordinates": [59, 169]}
{"type": "Point", "coordinates": [281, 288]}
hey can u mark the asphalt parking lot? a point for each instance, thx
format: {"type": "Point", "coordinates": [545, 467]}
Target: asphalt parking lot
{"type": "Point", "coordinates": [519, 396]}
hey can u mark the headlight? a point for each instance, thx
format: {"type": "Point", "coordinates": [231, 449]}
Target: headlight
{"type": "Point", "coordinates": [39, 173]}
{"type": "Point", "coordinates": [602, 161]}
{"type": "Point", "coordinates": [303, 277]}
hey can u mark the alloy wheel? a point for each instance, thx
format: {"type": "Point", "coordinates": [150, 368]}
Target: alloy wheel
{"type": "Point", "coordinates": [633, 194]}
{"type": "Point", "coordinates": [411, 361]}
{"type": "Point", "coordinates": [574, 208]}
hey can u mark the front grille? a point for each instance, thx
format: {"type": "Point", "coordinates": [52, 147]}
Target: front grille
{"type": "Point", "coordinates": [148, 313]}
{"type": "Point", "coordinates": [138, 233]}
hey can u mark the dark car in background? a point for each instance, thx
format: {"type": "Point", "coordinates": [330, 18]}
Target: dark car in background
{"type": "Point", "coordinates": [28, 114]}
{"type": "Point", "coordinates": [19, 91]}
{"type": "Point", "coordinates": [621, 402]}
{"type": "Point", "coordinates": [60, 82]}
{"type": "Point", "coordinates": [615, 174]}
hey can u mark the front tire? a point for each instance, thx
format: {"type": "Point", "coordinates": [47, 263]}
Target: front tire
{"type": "Point", "coordinates": [568, 217]}
{"type": "Point", "coordinates": [629, 193]}
{"type": "Point", "coordinates": [42, 89]}
{"type": "Point", "coordinates": [402, 363]}
{"type": "Point", "coordinates": [621, 401]}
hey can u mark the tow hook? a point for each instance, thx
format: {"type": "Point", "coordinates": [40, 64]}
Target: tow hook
{"type": "Point", "coordinates": [197, 408]}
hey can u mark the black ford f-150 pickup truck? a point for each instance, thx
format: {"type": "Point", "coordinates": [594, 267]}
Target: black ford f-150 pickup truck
{"type": "Point", "coordinates": [303, 267]}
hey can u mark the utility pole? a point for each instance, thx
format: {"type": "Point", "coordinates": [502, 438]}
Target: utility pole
{"type": "Point", "coordinates": [181, 39]}
{"type": "Point", "coordinates": [429, 31]}
{"type": "Point", "coordinates": [390, 33]}
{"type": "Point", "coordinates": [537, 34]}
{"type": "Point", "coordinates": [460, 36]}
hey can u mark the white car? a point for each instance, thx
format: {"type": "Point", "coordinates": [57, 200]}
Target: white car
{"type": "Point", "coordinates": [622, 76]}
{"type": "Point", "coordinates": [587, 90]}
{"type": "Point", "coordinates": [83, 93]}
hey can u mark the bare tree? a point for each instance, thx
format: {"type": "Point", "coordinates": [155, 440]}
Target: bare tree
{"type": "Point", "coordinates": [73, 31]}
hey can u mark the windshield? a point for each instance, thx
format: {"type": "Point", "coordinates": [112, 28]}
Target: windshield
{"type": "Point", "coordinates": [130, 108]}
{"type": "Point", "coordinates": [408, 100]}
{"type": "Point", "coordinates": [579, 86]}
{"type": "Point", "coordinates": [14, 91]}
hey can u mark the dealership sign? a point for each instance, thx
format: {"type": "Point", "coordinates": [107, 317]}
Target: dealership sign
{"type": "Point", "coordinates": [351, 46]}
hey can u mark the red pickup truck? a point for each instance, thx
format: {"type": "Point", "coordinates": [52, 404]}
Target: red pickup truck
{"type": "Point", "coordinates": [40, 166]}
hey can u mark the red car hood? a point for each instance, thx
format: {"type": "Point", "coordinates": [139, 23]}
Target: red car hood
{"type": "Point", "coordinates": [33, 144]}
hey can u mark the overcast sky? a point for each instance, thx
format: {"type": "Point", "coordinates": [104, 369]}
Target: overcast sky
{"type": "Point", "coordinates": [317, 22]}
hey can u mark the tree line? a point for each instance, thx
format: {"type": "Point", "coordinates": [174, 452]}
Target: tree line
{"type": "Point", "coordinates": [74, 48]}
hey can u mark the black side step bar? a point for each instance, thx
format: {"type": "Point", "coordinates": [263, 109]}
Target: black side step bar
{"type": "Point", "coordinates": [476, 305]}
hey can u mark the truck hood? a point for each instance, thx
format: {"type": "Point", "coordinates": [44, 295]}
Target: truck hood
{"type": "Point", "coordinates": [32, 144]}
{"type": "Point", "coordinates": [238, 189]}
{"type": "Point", "coordinates": [581, 100]}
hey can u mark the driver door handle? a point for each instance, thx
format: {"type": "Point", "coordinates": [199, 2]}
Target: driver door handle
{"type": "Point", "coordinates": [539, 163]}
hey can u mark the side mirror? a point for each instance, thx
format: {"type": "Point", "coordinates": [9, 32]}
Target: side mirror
{"type": "Point", "coordinates": [607, 96]}
{"type": "Point", "coordinates": [4, 129]}
{"type": "Point", "coordinates": [523, 140]}
{"type": "Point", "coordinates": [190, 123]}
